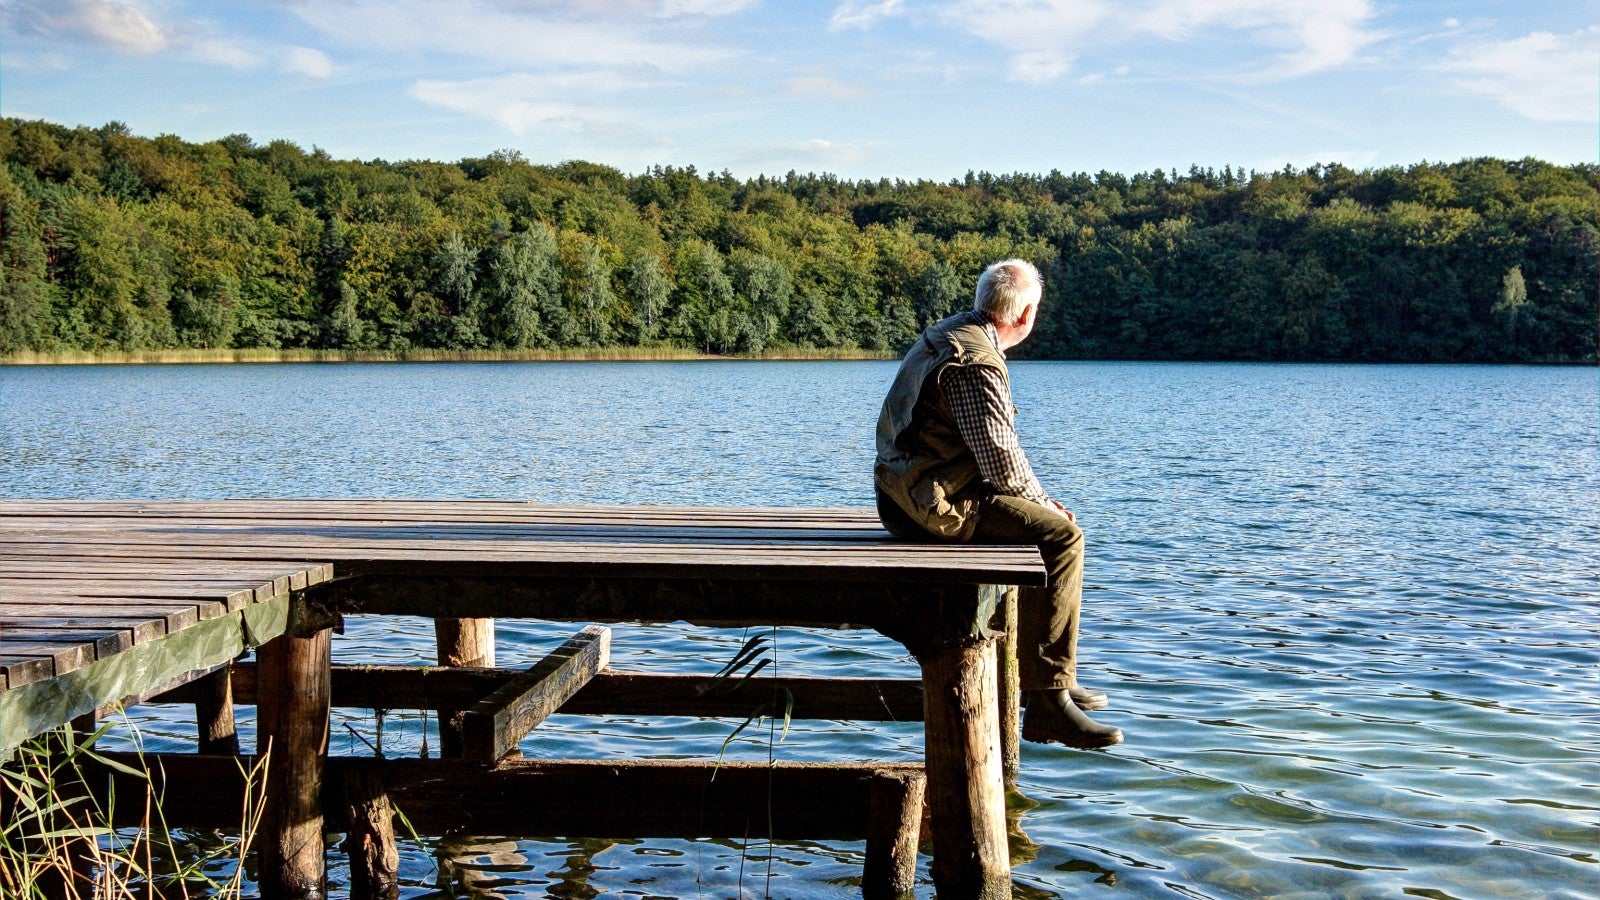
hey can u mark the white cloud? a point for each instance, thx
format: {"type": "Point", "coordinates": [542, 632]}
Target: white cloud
{"type": "Point", "coordinates": [854, 14]}
{"type": "Point", "coordinates": [524, 102]}
{"type": "Point", "coordinates": [1545, 77]}
{"type": "Point", "coordinates": [1045, 36]}
{"type": "Point", "coordinates": [305, 61]}
{"type": "Point", "coordinates": [109, 23]}
{"type": "Point", "coordinates": [490, 33]}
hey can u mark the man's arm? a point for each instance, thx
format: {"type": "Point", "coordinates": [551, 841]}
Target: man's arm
{"type": "Point", "coordinates": [982, 408]}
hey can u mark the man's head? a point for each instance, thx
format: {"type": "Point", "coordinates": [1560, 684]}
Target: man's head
{"type": "Point", "coordinates": [1008, 293]}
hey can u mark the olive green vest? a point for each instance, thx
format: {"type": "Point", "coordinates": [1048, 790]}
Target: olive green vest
{"type": "Point", "coordinates": [923, 464]}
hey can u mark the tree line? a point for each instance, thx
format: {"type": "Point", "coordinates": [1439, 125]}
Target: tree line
{"type": "Point", "coordinates": [111, 241]}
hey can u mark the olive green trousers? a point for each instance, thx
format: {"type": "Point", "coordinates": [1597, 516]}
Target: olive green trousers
{"type": "Point", "coordinates": [1047, 617]}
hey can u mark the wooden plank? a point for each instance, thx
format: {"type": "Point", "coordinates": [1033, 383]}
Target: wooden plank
{"type": "Point", "coordinates": [623, 599]}
{"type": "Point", "coordinates": [533, 560]}
{"type": "Point", "coordinates": [233, 590]}
{"type": "Point", "coordinates": [494, 726]}
{"type": "Point", "coordinates": [141, 629]}
{"type": "Point", "coordinates": [176, 615]}
{"type": "Point", "coordinates": [62, 658]}
{"type": "Point", "coordinates": [16, 671]}
{"type": "Point", "coordinates": [104, 641]}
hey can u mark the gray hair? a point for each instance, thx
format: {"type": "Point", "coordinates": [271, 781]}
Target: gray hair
{"type": "Point", "coordinates": [1006, 288]}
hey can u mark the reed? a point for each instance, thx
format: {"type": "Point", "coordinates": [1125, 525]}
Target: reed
{"type": "Point", "coordinates": [59, 842]}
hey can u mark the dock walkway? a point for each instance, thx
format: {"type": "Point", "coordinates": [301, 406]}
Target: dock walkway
{"type": "Point", "coordinates": [104, 602]}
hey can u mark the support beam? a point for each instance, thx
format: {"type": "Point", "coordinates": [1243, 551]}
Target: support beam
{"type": "Point", "coordinates": [213, 711]}
{"type": "Point", "coordinates": [461, 642]}
{"type": "Point", "coordinates": [369, 837]}
{"type": "Point", "coordinates": [610, 693]}
{"type": "Point", "coordinates": [494, 726]}
{"type": "Point", "coordinates": [1010, 693]}
{"type": "Point", "coordinates": [965, 789]}
{"type": "Point", "coordinates": [293, 724]}
{"type": "Point", "coordinates": [537, 797]}
{"type": "Point", "coordinates": [894, 827]}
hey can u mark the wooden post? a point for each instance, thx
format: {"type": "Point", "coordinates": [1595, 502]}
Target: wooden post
{"type": "Point", "coordinates": [461, 643]}
{"type": "Point", "coordinates": [894, 826]}
{"type": "Point", "coordinates": [965, 789]}
{"type": "Point", "coordinates": [1009, 688]}
{"type": "Point", "coordinates": [213, 713]}
{"type": "Point", "coordinates": [374, 858]}
{"type": "Point", "coordinates": [293, 725]}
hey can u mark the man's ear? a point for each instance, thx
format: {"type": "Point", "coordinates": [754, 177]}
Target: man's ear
{"type": "Point", "coordinates": [1027, 314]}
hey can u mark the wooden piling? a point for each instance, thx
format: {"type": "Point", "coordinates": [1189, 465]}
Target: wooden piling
{"type": "Point", "coordinates": [966, 793]}
{"type": "Point", "coordinates": [213, 712]}
{"type": "Point", "coordinates": [1010, 693]}
{"type": "Point", "coordinates": [894, 826]}
{"type": "Point", "coordinates": [461, 642]}
{"type": "Point", "coordinates": [369, 841]}
{"type": "Point", "coordinates": [293, 725]}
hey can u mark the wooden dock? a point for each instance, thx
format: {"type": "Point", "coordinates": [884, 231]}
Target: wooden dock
{"type": "Point", "coordinates": [105, 602]}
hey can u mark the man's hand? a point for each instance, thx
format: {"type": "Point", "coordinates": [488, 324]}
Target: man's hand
{"type": "Point", "coordinates": [1057, 504]}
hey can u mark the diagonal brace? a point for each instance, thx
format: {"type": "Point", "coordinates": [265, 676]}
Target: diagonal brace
{"type": "Point", "coordinates": [494, 726]}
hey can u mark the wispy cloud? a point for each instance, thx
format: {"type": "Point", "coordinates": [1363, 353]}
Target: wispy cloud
{"type": "Point", "coordinates": [230, 53]}
{"type": "Point", "coordinates": [822, 86]}
{"type": "Point", "coordinates": [114, 24]}
{"type": "Point", "coordinates": [1542, 76]}
{"type": "Point", "coordinates": [485, 32]}
{"type": "Point", "coordinates": [313, 64]}
{"type": "Point", "coordinates": [815, 154]}
{"type": "Point", "coordinates": [855, 14]}
{"type": "Point", "coordinates": [1044, 37]}
{"type": "Point", "coordinates": [525, 102]}
{"type": "Point", "coordinates": [670, 8]}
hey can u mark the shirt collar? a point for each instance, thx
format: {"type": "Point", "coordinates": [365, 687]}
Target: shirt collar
{"type": "Point", "coordinates": [988, 329]}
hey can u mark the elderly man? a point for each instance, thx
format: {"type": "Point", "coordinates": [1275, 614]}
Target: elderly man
{"type": "Point", "coordinates": [949, 468]}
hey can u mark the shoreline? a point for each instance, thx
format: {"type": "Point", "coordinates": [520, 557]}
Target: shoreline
{"type": "Point", "coordinates": [261, 355]}
{"type": "Point", "coordinates": [305, 355]}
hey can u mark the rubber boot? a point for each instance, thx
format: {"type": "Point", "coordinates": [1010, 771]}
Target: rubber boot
{"type": "Point", "coordinates": [1087, 699]}
{"type": "Point", "coordinates": [1053, 718]}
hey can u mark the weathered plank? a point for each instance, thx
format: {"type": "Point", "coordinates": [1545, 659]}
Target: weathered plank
{"type": "Point", "coordinates": [494, 726]}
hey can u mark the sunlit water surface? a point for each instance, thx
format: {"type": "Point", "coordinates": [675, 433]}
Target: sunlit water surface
{"type": "Point", "coordinates": [1347, 614]}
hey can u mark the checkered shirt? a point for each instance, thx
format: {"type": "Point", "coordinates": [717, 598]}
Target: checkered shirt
{"type": "Point", "coordinates": [986, 419]}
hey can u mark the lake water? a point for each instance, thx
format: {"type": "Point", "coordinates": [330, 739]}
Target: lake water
{"type": "Point", "coordinates": [1347, 615]}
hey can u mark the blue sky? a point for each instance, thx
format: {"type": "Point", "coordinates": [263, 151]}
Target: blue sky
{"type": "Point", "coordinates": [861, 88]}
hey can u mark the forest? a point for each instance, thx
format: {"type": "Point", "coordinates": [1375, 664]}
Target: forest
{"type": "Point", "coordinates": [112, 241]}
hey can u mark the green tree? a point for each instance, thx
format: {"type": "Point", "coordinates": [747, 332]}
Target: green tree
{"type": "Point", "coordinates": [647, 289]}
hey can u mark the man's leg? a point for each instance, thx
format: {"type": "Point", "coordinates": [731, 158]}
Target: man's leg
{"type": "Point", "coordinates": [1047, 622]}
